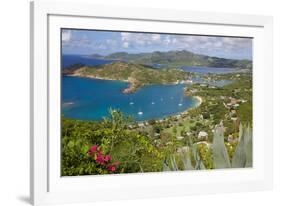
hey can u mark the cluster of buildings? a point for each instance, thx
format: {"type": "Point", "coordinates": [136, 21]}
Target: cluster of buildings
{"type": "Point", "coordinates": [234, 103]}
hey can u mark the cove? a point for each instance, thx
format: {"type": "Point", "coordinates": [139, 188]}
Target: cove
{"type": "Point", "coordinates": [90, 99]}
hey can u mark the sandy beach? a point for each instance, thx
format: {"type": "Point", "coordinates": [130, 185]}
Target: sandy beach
{"type": "Point", "coordinates": [199, 99]}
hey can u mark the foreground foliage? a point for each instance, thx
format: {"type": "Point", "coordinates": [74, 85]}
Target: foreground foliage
{"type": "Point", "coordinates": [215, 156]}
{"type": "Point", "coordinates": [132, 151]}
{"type": "Point", "coordinates": [109, 147]}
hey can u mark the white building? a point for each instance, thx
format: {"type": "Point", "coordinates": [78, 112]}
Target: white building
{"type": "Point", "coordinates": [202, 135]}
{"type": "Point", "coordinates": [188, 133]}
{"type": "Point", "coordinates": [180, 137]}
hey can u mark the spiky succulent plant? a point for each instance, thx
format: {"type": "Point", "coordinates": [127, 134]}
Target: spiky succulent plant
{"type": "Point", "coordinates": [189, 158]}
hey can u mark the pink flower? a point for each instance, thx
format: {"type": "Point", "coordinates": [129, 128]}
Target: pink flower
{"type": "Point", "coordinates": [94, 148]}
{"type": "Point", "coordinates": [111, 168]}
{"type": "Point", "coordinates": [107, 158]}
{"type": "Point", "coordinates": [103, 163]}
{"type": "Point", "coordinates": [99, 159]}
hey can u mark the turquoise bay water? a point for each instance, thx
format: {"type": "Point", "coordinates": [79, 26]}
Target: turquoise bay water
{"type": "Point", "coordinates": [90, 99]}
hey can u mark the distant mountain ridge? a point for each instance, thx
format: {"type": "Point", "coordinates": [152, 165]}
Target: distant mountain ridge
{"type": "Point", "coordinates": [177, 58]}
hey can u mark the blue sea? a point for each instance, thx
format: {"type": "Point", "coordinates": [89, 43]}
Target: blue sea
{"type": "Point", "coordinates": [90, 99]}
{"type": "Point", "coordinates": [68, 60]}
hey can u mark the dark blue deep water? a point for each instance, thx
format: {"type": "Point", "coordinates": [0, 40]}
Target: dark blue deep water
{"type": "Point", "coordinates": [68, 60]}
{"type": "Point", "coordinates": [90, 99]}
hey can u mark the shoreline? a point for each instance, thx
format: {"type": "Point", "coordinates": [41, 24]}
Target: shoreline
{"type": "Point", "coordinates": [131, 82]}
{"type": "Point", "coordinates": [94, 77]}
{"type": "Point", "coordinates": [185, 112]}
{"type": "Point", "coordinates": [199, 99]}
{"type": "Point", "coordinates": [132, 89]}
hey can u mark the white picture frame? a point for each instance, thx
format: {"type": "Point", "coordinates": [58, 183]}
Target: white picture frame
{"type": "Point", "coordinates": [47, 18]}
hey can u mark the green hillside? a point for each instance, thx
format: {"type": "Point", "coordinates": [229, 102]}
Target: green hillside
{"type": "Point", "coordinates": [178, 58]}
{"type": "Point", "coordinates": [137, 75]}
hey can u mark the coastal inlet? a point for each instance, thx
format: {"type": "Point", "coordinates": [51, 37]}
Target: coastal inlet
{"type": "Point", "coordinates": [90, 99]}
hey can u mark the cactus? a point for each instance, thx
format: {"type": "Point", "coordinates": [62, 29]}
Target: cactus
{"type": "Point", "coordinates": [249, 148]}
{"type": "Point", "coordinates": [186, 160]}
{"type": "Point", "coordinates": [243, 153]}
{"type": "Point", "coordinates": [198, 161]}
{"type": "Point", "coordinates": [242, 156]}
{"type": "Point", "coordinates": [220, 155]}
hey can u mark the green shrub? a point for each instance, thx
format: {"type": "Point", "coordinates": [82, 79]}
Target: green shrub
{"type": "Point", "coordinates": [135, 152]}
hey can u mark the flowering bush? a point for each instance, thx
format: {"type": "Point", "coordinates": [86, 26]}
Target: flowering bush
{"type": "Point", "coordinates": [93, 148]}
{"type": "Point", "coordinates": [103, 161]}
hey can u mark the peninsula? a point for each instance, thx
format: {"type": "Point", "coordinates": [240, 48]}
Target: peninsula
{"type": "Point", "coordinates": [136, 75]}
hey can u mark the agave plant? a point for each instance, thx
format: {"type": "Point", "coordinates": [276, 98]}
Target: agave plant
{"type": "Point", "coordinates": [220, 155]}
{"type": "Point", "coordinates": [243, 153]}
{"type": "Point", "coordinates": [185, 157]}
{"type": "Point", "coordinates": [244, 150]}
{"type": "Point", "coordinates": [242, 156]}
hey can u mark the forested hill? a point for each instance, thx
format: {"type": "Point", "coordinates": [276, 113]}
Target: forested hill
{"type": "Point", "coordinates": [137, 75]}
{"type": "Point", "coordinates": [177, 58]}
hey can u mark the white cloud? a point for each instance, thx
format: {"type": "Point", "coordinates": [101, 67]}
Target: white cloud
{"type": "Point", "coordinates": [167, 40]}
{"type": "Point", "coordinates": [69, 39]}
{"type": "Point", "coordinates": [155, 37]}
{"type": "Point", "coordinates": [208, 45]}
{"type": "Point", "coordinates": [125, 36]}
{"type": "Point", "coordinates": [111, 42]}
{"type": "Point", "coordinates": [203, 44]}
{"type": "Point", "coordinates": [140, 39]}
{"type": "Point", "coordinates": [125, 45]}
{"type": "Point", "coordinates": [66, 35]}
{"type": "Point", "coordinates": [149, 42]}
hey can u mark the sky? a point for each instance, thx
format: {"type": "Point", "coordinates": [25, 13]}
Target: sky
{"type": "Point", "coordinates": [86, 42]}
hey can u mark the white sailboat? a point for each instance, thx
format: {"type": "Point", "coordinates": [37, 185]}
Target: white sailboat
{"type": "Point", "coordinates": [180, 103]}
{"type": "Point", "coordinates": [131, 101]}
{"type": "Point", "coordinates": [140, 112]}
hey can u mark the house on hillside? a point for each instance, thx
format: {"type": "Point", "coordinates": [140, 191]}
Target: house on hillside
{"type": "Point", "coordinates": [180, 137]}
{"type": "Point", "coordinates": [202, 135]}
{"type": "Point", "coordinates": [188, 133]}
